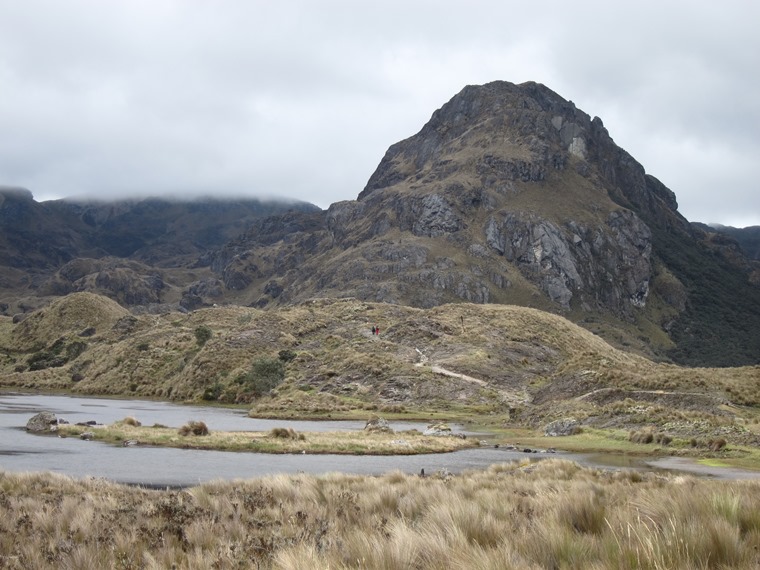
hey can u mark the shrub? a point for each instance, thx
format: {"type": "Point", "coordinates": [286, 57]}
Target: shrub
{"type": "Point", "coordinates": [73, 350]}
{"type": "Point", "coordinates": [717, 444]}
{"type": "Point", "coordinates": [265, 374]}
{"type": "Point", "coordinates": [286, 355]}
{"type": "Point", "coordinates": [202, 334]}
{"type": "Point", "coordinates": [44, 359]}
{"type": "Point", "coordinates": [213, 392]}
{"type": "Point", "coordinates": [194, 428]}
{"type": "Point", "coordinates": [643, 436]}
{"type": "Point", "coordinates": [131, 421]}
{"type": "Point", "coordinates": [143, 346]}
{"type": "Point", "coordinates": [286, 433]}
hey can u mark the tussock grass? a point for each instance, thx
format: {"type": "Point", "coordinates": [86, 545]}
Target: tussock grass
{"type": "Point", "coordinates": [286, 433]}
{"type": "Point", "coordinates": [550, 514]}
{"type": "Point", "coordinates": [194, 428]}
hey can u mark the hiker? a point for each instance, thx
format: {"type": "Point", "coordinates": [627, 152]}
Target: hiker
{"type": "Point", "coordinates": [373, 330]}
{"type": "Point", "coordinates": [377, 329]}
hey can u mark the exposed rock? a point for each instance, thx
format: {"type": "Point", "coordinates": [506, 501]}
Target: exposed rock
{"type": "Point", "coordinates": [378, 425]}
{"type": "Point", "coordinates": [563, 427]}
{"type": "Point", "coordinates": [42, 422]}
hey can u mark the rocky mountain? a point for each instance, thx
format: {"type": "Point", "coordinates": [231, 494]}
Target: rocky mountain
{"type": "Point", "coordinates": [508, 195]}
{"type": "Point", "coordinates": [748, 239]}
{"type": "Point", "coordinates": [139, 252]}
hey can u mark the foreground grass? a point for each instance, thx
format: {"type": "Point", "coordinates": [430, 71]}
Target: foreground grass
{"type": "Point", "coordinates": [550, 514]}
{"type": "Point", "coordinates": [345, 443]}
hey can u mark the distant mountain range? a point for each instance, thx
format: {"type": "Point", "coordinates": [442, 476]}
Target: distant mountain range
{"type": "Point", "coordinates": [508, 195]}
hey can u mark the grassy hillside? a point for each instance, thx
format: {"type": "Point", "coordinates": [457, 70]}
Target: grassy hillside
{"type": "Point", "coordinates": [502, 365]}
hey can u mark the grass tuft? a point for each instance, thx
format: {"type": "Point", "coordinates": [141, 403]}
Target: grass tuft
{"type": "Point", "coordinates": [194, 428]}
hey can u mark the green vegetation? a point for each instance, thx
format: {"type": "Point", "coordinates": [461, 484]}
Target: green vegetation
{"type": "Point", "coordinates": [265, 374]}
{"type": "Point", "coordinates": [499, 366]}
{"type": "Point", "coordinates": [202, 335]}
{"type": "Point", "coordinates": [58, 354]}
{"type": "Point", "coordinates": [713, 328]}
{"type": "Point", "coordinates": [549, 514]}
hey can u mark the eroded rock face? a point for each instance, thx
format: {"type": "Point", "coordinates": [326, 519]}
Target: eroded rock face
{"type": "Point", "coordinates": [608, 265]}
{"type": "Point", "coordinates": [128, 282]}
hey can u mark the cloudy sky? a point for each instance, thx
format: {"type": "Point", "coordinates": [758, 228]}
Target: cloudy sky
{"type": "Point", "coordinates": [302, 98]}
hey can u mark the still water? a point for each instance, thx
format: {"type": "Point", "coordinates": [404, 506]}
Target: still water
{"type": "Point", "coordinates": [22, 451]}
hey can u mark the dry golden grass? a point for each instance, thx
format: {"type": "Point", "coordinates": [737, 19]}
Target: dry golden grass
{"type": "Point", "coordinates": [345, 443]}
{"type": "Point", "coordinates": [71, 314]}
{"type": "Point", "coordinates": [528, 365]}
{"type": "Point", "coordinates": [551, 514]}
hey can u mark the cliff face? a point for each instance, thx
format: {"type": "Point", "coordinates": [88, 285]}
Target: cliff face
{"type": "Point", "coordinates": [507, 191]}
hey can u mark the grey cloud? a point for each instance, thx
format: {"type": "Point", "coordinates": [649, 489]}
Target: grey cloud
{"type": "Point", "coordinates": [302, 98]}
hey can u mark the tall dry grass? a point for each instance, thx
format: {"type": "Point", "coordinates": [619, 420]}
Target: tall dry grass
{"type": "Point", "coordinates": [552, 514]}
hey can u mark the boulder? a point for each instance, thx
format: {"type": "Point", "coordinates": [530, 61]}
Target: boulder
{"type": "Point", "coordinates": [563, 427]}
{"type": "Point", "coordinates": [43, 422]}
{"type": "Point", "coordinates": [378, 425]}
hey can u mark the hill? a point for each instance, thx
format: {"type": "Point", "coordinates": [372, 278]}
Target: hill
{"type": "Point", "coordinates": [505, 365]}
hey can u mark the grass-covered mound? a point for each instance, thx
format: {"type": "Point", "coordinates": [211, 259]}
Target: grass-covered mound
{"type": "Point", "coordinates": [83, 314]}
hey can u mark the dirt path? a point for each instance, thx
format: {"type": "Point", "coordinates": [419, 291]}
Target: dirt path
{"type": "Point", "coordinates": [507, 395]}
{"type": "Point", "coordinates": [654, 392]}
{"type": "Point", "coordinates": [445, 372]}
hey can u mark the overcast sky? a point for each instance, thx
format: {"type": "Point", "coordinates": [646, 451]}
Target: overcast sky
{"type": "Point", "coordinates": [302, 99]}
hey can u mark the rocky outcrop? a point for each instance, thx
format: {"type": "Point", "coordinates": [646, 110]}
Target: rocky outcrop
{"type": "Point", "coordinates": [378, 425]}
{"type": "Point", "coordinates": [606, 267]}
{"type": "Point", "coordinates": [563, 427]}
{"type": "Point", "coordinates": [437, 430]}
{"type": "Point", "coordinates": [42, 423]}
{"type": "Point", "coordinates": [128, 282]}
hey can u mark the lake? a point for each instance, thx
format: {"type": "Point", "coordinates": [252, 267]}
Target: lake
{"type": "Point", "coordinates": [151, 466]}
